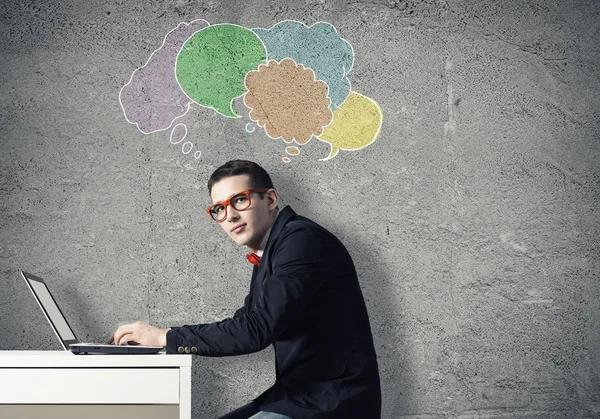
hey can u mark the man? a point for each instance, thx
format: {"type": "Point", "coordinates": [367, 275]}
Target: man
{"type": "Point", "coordinates": [304, 299]}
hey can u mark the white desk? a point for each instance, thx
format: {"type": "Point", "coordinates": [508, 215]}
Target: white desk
{"type": "Point", "coordinates": [59, 384]}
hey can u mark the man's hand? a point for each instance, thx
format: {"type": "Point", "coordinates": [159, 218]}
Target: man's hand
{"type": "Point", "coordinates": [139, 333]}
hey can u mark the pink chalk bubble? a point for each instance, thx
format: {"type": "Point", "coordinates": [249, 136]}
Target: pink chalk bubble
{"type": "Point", "coordinates": [152, 99]}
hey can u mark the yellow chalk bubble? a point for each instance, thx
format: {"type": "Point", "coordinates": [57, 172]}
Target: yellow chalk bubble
{"type": "Point", "coordinates": [356, 124]}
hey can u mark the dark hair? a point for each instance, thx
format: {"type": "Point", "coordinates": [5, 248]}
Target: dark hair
{"type": "Point", "coordinates": [259, 178]}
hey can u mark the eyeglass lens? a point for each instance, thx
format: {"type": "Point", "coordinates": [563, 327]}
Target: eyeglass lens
{"type": "Point", "coordinates": [240, 202]}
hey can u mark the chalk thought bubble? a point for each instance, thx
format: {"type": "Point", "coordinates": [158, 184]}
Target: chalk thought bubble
{"type": "Point", "coordinates": [292, 151]}
{"type": "Point", "coordinates": [356, 124]}
{"type": "Point", "coordinates": [319, 47]}
{"type": "Point", "coordinates": [213, 62]}
{"type": "Point", "coordinates": [287, 101]}
{"type": "Point", "coordinates": [294, 79]}
{"type": "Point", "coordinates": [152, 99]}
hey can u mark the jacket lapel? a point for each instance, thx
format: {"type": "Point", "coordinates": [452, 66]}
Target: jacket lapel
{"type": "Point", "coordinates": [282, 218]}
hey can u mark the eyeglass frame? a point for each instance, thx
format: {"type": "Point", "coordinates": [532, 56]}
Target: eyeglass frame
{"type": "Point", "coordinates": [227, 202]}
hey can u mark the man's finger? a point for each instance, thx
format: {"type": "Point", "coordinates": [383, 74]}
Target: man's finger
{"type": "Point", "coordinates": [111, 338]}
{"type": "Point", "coordinates": [126, 338]}
{"type": "Point", "coordinates": [121, 331]}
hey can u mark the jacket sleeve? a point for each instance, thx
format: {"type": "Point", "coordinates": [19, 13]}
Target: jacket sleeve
{"type": "Point", "coordinates": [299, 269]}
{"type": "Point", "coordinates": [244, 309]}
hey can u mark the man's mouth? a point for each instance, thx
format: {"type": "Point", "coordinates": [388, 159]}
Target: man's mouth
{"type": "Point", "coordinates": [237, 228]}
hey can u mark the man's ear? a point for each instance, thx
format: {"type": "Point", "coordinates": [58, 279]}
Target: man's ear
{"type": "Point", "coordinates": [272, 198]}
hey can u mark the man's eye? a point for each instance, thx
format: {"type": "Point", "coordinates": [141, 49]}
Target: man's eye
{"type": "Point", "coordinates": [218, 208]}
{"type": "Point", "coordinates": [239, 199]}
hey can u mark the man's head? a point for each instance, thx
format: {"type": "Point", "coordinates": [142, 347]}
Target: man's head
{"type": "Point", "coordinates": [233, 185]}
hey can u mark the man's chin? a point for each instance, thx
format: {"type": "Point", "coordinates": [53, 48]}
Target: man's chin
{"type": "Point", "coordinates": [243, 241]}
{"type": "Point", "coordinates": [240, 240]}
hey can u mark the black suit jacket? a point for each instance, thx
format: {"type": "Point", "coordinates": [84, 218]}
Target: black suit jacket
{"type": "Point", "coordinates": [305, 300]}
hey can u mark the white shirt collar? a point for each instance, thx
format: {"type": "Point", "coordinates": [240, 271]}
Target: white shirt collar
{"type": "Point", "coordinates": [263, 243]}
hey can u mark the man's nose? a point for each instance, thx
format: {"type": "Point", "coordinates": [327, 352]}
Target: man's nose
{"type": "Point", "coordinates": [232, 213]}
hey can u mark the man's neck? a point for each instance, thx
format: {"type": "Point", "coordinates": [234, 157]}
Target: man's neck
{"type": "Point", "coordinates": [263, 242]}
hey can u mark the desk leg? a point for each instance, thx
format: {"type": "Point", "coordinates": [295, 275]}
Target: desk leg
{"type": "Point", "coordinates": [185, 393]}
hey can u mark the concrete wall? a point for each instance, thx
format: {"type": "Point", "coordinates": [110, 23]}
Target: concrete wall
{"type": "Point", "coordinates": [473, 219]}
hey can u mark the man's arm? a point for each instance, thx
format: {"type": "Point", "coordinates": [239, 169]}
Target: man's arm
{"type": "Point", "coordinates": [300, 268]}
{"type": "Point", "coordinates": [244, 309]}
{"type": "Point", "coordinates": [144, 334]}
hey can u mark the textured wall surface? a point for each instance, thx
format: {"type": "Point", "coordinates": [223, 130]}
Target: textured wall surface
{"type": "Point", "coordinates": [473, 220]}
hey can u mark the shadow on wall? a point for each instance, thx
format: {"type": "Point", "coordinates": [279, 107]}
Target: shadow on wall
{"type": "Point", "coordinates": [26, 328]}
{"type": "Point", "coordinates": [220, 385]}
{"type": "Point", "coordinates": [87, 326]}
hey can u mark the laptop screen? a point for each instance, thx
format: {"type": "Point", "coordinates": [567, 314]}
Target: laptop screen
{"type": "Point", "coordinates": [51, 310]}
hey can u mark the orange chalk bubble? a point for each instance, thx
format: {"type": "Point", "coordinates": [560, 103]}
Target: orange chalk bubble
{"type": "Point", "coordinates": [287, 101]}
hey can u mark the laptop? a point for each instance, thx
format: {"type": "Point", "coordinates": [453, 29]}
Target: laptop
{"type": "Point", "coordinates": [64, 332]}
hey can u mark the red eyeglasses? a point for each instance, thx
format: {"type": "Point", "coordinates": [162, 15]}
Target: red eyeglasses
{"type": "Point", "coordinates": [239, 201]}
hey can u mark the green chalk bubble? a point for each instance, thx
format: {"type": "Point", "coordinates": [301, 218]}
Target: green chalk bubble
{"type": "Point", "coordinates": [213, 63]}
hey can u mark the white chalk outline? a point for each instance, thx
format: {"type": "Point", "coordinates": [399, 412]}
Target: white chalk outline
{"type": "Point", "coordinates": [151, 55]}
{"type": "Point", "coordinates": [184, 134]}
{"type": "Point", "coordinates": [360, 148]}
{"type": "Point", "coordinates": [292, 146]}
{"type": "Point", "coordinates": [191, 147]}
{"type": "Point", "coordinates": [263, 126]}
{"type": "Point", "coordinates": [345, 75]}
{"type": "Point", "coordinates": [235, 97]}
{"type": "Point", "coordinates": [249, 124]}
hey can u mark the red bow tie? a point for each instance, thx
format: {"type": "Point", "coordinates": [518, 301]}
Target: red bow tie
{"type": "Point", "coordinates": [254, 259]}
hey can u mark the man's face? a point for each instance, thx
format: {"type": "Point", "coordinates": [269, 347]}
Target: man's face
{"type": "Point", "coordinates": [249, 226]}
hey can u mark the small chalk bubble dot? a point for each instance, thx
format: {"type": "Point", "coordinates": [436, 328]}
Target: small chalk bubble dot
{"type": "Point", "coordinates": [286, 159]}
{"type": "Point", "coordinates": [250, 127]}
{"type": "Point", "coordinates": [292, 151]}
{"type": "Point", "coordinates": [197, 154]}
{"type": "Point", "coordinates": [179, 136]}
{"type": "Point", "coordinates": [189, 145]}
